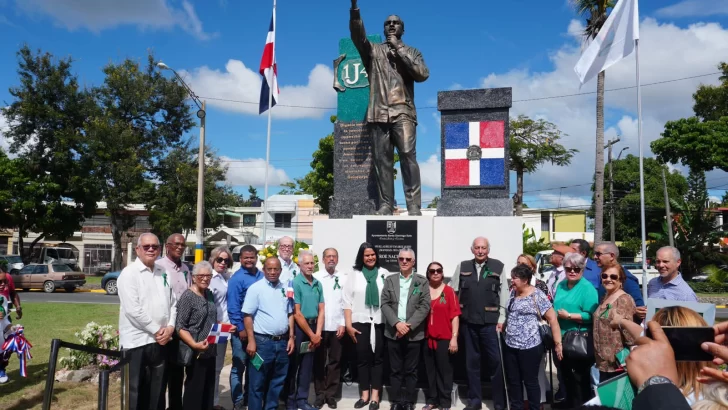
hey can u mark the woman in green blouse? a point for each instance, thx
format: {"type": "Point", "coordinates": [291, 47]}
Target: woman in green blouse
{"type": "Point", "coordinates": [575, 301]}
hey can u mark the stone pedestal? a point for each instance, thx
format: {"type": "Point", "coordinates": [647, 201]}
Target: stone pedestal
{"type": "Point", "coordinates": [355, 188]}
{"type": "Point", "coordinates": [474, 130]}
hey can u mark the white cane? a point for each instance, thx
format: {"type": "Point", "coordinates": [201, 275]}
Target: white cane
{"type": "Point", "coordinates": [503, 371]}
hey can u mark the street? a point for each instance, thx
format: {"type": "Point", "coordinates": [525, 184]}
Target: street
{"type": "Point", "coordinates": [63, 297]}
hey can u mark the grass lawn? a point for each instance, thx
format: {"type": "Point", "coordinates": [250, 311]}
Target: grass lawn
{"type": "Point", "coordinates": [43, 322]}
{"type": "Point", "coordinates": [93, 280]}
{"type": "Point", "coordinates": [712, 295]}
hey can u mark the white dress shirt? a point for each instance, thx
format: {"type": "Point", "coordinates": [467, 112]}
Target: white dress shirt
{"type": "Point", "coordinates": [147, 304]}
{"type": "Point", "coordinates": [354, 293]}
{"type": "Point", "coordinates": [219, 287]}
{"type": "Point", "coordinates": [333, 303]}
{"type": "Point", "coordinates": [178, 277]}
{"type": "Point", "coordinates": [288, 271]}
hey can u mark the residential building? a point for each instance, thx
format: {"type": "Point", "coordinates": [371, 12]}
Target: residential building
{"type": "Point", "coordinates": [557, 225]}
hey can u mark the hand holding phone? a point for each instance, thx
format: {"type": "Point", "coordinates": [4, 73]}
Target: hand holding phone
{"type": "Point", "coordinates": [687, 341]}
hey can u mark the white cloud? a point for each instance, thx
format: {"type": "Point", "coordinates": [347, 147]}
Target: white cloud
{"type": "Point", "coordinates": [691, 51]}
{"type": "Point", "coordinates": [251, 171]}
{"type": "Point", "coordinates": [430, 171]}
{"type": "Point", "coordinates": [4, 143]}
{"type": "Point", "coordinates": [694, 8]}
{"type": "Point", "coordinates": [242, 83]}
{"type": "Point", "coordinates": [551, 200]}
{"type": "Point", "coordinates": [99, 15]}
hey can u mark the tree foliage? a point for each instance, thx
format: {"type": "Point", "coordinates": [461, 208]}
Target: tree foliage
{"type": "Point", "coordinates": [533, 143]}
{"type": "Point", "coordinates": [50, 187]}
{"type": "Point", "coordinates": [699, 142]}
{"type": "Point", "coordinates": [627, 196]}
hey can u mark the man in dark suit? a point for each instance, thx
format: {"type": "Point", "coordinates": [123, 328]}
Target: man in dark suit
{"type": "Point", "coordinates": [405, 307]}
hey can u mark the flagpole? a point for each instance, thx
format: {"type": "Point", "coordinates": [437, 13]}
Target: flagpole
{"type": "Point", "coordinates": [642, 173]}
{"type": "Point", "coordinates": [271, 85]}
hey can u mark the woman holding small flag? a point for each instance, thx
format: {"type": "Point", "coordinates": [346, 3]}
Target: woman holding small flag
{"type": "Point", "coordinates": [221, 261]}
{"type": "Point", "coordinates": [196, 315]}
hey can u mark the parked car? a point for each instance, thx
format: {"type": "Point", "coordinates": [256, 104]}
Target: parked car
{"type": "Point", "coordinates": [48, 276]}
{"type": "Point", "coordinates": [108, 282]}
{"type": "Point", "coordinates": [635, 268]}
{"type": "Point", "coordinates": [15, 263]}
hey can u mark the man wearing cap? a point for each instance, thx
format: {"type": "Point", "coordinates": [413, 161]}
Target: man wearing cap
{"type": "Point", "coordinates": [557, 273]}
{"type": "Point", "coordinates": [482, 291]}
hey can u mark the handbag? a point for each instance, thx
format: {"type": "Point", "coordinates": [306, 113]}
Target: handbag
{"type": "Point", "coordinates": [544, 329]}
{"type": "Point", "coordinates": [578, 345]}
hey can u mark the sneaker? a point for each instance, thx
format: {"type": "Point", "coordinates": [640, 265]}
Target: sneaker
{"type": "Point", "coordinates": [331, 403]}
{"type": "Point", "coordinates": [3, 377]}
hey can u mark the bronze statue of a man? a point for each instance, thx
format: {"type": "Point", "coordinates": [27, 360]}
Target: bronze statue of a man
{"type": "Point", "coordinates": [393, 68]}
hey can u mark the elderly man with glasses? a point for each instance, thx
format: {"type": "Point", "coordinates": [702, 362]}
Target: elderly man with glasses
{"type": "Point", "coordinates": [289, 268]}
{"type": "Point", "coordinates": [180, 279]}
{"type": "Point", "coordinates": [405, 307]}
{"type": "Point", "coordinates": [146, 323]}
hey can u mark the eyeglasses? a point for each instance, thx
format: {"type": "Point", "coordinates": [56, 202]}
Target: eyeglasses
{"type": "Point", "coordinates": [222, 260]}
{"type": "Point", "coordinates": [285, 246]}
{"type": "Point", "coordinates": [177, 244]}
{"type": "Point", "coordinates": [204, 277]}
{"type": "Point", "coordinates": [612, 277]}
{"type": "Point", "coordinates": [570, 269]}
{"type": "Point", "coordinates": [150, 247]}
{"type": "Point", "coordinates": [598, 254]}
{"type": "Point", "coordinates": [438, 270]}
{"type": "Point", "coordinates": [405, 259]}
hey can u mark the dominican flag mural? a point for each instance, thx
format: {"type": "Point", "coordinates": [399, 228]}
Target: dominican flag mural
{"type": "Point", "coordinates": [475, 154]}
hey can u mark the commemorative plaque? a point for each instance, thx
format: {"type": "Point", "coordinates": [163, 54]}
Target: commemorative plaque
{"type": "Point", "coordinates": [389, 237]}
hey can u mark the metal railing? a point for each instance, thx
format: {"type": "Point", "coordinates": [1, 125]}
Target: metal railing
{"type": "Point", "coordinates": [57, 344]}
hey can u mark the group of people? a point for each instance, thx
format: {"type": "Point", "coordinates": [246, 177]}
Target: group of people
{"type": "Point", "coordinates": [291, 324]}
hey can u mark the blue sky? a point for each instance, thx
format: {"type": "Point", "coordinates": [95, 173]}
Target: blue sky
{"type": "Point", "coordinates": [529, 45]}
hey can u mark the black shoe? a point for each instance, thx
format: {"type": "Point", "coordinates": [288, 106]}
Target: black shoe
{"type": "Point", "coordinates": [396, 406]}
{"type": "Point", "coordinates": [360, 404]}
{"type": "Point", "coordinates": [471, 407]}
{"type": "Point", "coordinates": [319, 402]}
{"type": "Point", "coordinates": [331, 403]}
{"type": "Point", "coordinates": [374, 405]}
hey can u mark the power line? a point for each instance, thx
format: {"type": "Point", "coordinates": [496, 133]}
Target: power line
{"type": "Point", "coordinates": [515, 101]}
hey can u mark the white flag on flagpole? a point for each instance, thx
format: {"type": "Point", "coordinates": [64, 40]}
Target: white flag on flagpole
{"type": "Point", "coordinates": [614, 42]}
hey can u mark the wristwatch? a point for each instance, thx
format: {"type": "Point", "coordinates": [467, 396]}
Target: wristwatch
{"type": "Point", "coordinates": [652, 381]}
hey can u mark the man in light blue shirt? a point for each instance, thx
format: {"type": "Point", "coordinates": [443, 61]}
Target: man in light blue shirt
{"type": "Point", "coordinates": [670, 285]}
{"type": "Point", "coordinates": [289, 268]}
{"type": "Point", "coordinates": [269, 324]}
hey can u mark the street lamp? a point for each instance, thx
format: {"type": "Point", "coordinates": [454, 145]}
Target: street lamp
{"type": "Point", "coordinates": [200, 161]}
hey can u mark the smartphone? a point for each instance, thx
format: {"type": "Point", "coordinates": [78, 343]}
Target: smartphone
{"type": "Point", "coordinates": [686, 341]}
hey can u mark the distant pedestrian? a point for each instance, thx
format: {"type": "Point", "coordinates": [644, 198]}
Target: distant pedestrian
{"type": "Point", "coordinates": [146, 324]}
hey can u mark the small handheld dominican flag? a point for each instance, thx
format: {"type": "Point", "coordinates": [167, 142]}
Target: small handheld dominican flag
{"type": "Point", "coordinates": [475, 154]}
{"type": "Point", "coordinates": [220, 333]}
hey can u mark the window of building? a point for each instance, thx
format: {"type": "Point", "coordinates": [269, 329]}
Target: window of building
{"type": "Point", "coordinates": [283, 220]}
{"type": "Point", "coordinates": [249, 219]}
{"type": "Point", "coordinates": [544, 221]}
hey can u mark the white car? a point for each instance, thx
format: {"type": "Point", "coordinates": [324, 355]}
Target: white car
{"type": "Point", "coordinates": [543, 264]}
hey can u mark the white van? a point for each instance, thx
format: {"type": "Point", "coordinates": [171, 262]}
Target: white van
{"type": "Point", "coordinates": [543, 264]}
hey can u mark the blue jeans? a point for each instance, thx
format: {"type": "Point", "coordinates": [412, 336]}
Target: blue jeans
{"type": "Point", "coordinates": [266, 384]}
{"type": "Point", "coordinates": [239, 379]}
{"type": "Point", "coordinates": [482, 340]}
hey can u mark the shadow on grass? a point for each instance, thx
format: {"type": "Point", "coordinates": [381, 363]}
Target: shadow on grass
{"type": "Point", "coordinates": [36, 375]}
{"type": "Point", "coordinates": [34, 400]}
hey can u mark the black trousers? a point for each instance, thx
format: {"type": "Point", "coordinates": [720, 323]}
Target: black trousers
{"type": "Point", "coordinates": [404, 356]}
{"type": "Point", "coordinates": [385, 137]}
{"type": "Point", "coordinates": [146, 377]}
{"type": "Point", "coordinates": [199, 385]}
{"type": "Point", "coordinates": [327, 366]}
{"type": "Point", "coordinates": [604, 376]}
{"type": "Point", "coordinates": [577, 378]}
{"type": "Point", "coordinates": [482, 341]}
{"type": "Point", "coordinates": [521, 368]}
{"type": "Point", "coordinates": [175, 375]}
{"type": "Point", "coordinates": [438, 363]}
{"type": "Point", "coordinates": [368, 363]}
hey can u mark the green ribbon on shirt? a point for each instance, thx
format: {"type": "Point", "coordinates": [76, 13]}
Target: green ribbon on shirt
{"type": "Point", "coordinates": [486, 272]}
{"type": "Point", "coordinates": [605, 314]}
{"type": "Point", "coordinates": [283, 292]}
{"type": "Point", "coordinates": [442, 298]}
{"type": "Point", "coordinates": [164, 275]}
{"type": "Point", "coordinates": [336, 283]}
{"type": "Point", "coordinates": [294, 273]}
{"type": "Point", "coordinates": [2, 302]}
{"type": "Point", "coordinates": [185, 272]}
{"type": "Point", "coordinates": [417, 289]}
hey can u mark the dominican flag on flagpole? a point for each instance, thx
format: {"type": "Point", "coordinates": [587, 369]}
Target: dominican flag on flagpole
{"type": "Point", "coordinates": [475, 154]}
{"type": "Point", "coordinates": [220, 333]}
{"type": "Point", "coordinates": [269, 69]}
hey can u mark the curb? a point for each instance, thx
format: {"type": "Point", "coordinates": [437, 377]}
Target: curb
{"type": "Point", "coordinates": [720, 306]}
{"type": "Point", "coordinates": [76, 291]}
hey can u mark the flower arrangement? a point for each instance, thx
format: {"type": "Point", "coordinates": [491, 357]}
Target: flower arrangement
{"type": "Point", "coordinates": [272, 250]}
{"type": "Point", "coordinates": [94, 335]}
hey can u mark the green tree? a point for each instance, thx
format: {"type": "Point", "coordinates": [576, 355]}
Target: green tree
{"type": "Point", "coordinates": [626, 204]}
{"type": "Point", "coordinates": [253, 194]}
{"type": "Point", "coordinates": [595, 13]}
{"type": "Point", "coordinates": [172, 201]}
{"type": "Point", "coordinates": [433, 203]}
{"type": "Point", "coordinates": [140, 115]}
{"type": "Point", "coordinates": [700, 142]}
{"type": "Point", "coordinates": [533, 143]}
{"type": "Point", "coordinates": [48, 188]}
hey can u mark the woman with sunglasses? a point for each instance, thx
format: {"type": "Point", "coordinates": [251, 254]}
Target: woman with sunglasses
{"type": "Point", "coordinates": [363, 318]}
{"type": "Point", "coordinates": [575, 301]}
{"type": "Point", "coordinates": [607, 341]}
{"type": "Point", "coordinates": [221, 260]}
{"type": "Point", "coordinates": [442, 339]}
{"type": "Point", "coordinates": [196, 313]}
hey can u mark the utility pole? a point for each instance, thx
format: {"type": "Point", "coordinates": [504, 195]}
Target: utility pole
{"type": "Point", "coordinates": [611, 188]}
{"type": "Point", "coordinates": [668, 214]}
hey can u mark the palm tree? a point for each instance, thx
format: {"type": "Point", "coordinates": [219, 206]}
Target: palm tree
{"type": "Point", "coordinates": [595, 12]}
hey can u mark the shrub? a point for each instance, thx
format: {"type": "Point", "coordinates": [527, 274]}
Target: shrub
{"type": "Point", "coordinates": [272, 250]}
{"type": "Point", "coordinates": [93, 335]}
{"type": "Point", "coordinates": [708, 287]}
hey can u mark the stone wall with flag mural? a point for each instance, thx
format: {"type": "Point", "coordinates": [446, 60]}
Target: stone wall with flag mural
{"type": "Point", "coordinates": [474, 135]}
